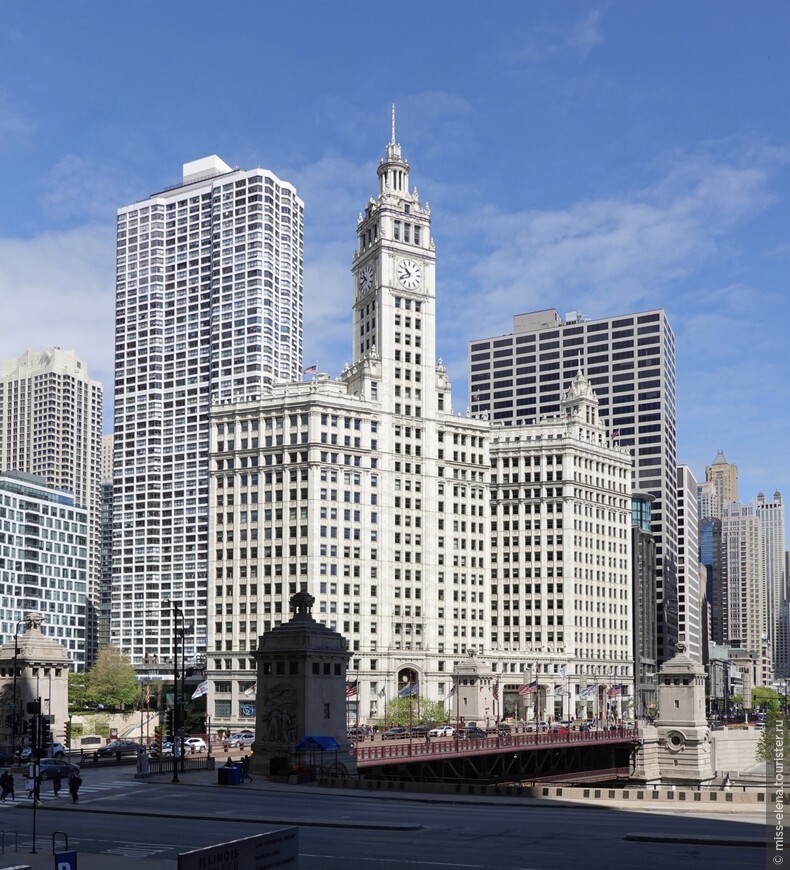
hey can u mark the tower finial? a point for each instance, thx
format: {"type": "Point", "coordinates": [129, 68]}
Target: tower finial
{"type": "Point", "coordinates": [392, 141]}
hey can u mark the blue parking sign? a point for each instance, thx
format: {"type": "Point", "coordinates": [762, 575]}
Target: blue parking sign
{"type": "Point", "coordinates": [65, 861]}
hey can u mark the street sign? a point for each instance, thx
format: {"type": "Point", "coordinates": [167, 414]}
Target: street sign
{"type": "Point", "coordinates": [277, 849]}
{"type": "Point", "coordinates": [65, 861]}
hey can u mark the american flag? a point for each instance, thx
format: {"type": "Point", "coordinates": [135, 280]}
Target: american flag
{"type": "Point", "coordinates": [617, 689]}
{"type": "Point", "coordinates": [495, 692]}
{"type": "Point", "coordinates": [529, 689]}
{"type": "Point", "coordinates": [311, 370]}
{"type": "Point", "coordinates": [475, 397]}
{"type": "Point", "coordinates": [351, 689]}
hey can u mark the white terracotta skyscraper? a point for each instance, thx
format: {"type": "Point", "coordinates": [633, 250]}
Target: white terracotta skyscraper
{"type": "Point", "coordinates": [208, 309]}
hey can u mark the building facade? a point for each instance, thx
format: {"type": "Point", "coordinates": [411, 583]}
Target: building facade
{"type": "Point", "coordinates": [44, 560]}
{"type": "Point", "coordinates": [691, 593]}
{"type": "Point", "coordinates": [208, 308]}
{"type": "Point", "coordinates": [771, 513]}
{"type": "Point", "coordinates": [630, 361]}
{"type": "Point", "coordinates": [743, 568]}
{"type": "Point", "coordinates": [643, 574]}
{"type": "Point", "coordinates": [51, 427]}
{"type": "Point", "coordinates": [367, 492]}
{"type": "Point", "coordinates": [723, 476]}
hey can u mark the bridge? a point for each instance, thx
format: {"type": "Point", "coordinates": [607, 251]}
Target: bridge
{"type": "Point", "coordinates": [572, 755]}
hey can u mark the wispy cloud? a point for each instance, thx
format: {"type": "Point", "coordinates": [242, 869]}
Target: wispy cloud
{"type": "Point", "coordinates": [587, 33]}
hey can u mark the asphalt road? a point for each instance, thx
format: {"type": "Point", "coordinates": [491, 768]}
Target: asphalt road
{"type": "Point", "coordinates": [148, 824]}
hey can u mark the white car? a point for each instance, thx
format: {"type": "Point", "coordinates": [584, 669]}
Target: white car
{"type": "Point", "coordinates": [195, 744]}
{"type": "Point", "coordinates": [442, 731]}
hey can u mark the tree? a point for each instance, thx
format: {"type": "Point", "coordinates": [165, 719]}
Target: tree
{"type": "Point", "coordinates": [775, 736]}
{"type": "Point", "coordinates": [763, 698]}
{"type": "Point", "coordinates": [422, 711]}
{"type": "Point", "coordinates": [78, 690]}
{"type": "Point", "coordinates": [112, 681]}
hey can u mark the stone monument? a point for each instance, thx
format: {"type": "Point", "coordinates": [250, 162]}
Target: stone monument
{"type": "Point", "coordinates": [301, 692]}
{"type": "Point", "coordinates": [684, 750]}
{"type": "Point", "coordinates": [33, 666]}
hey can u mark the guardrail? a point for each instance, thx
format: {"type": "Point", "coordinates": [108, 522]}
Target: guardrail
{"type": "Point", "coordinates": [418, 748]}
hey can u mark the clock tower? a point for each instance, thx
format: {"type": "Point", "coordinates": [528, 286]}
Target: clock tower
{"type": "Point", "coordinates": [394, 289]}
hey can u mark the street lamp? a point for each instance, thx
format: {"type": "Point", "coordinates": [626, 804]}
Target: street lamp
{"type": "Point", "coordinates": [177, 612]}
{"type": "Point", "coordinates": [16, 706]}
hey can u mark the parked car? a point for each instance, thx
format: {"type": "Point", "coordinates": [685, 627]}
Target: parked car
{"type": "Point", "coordinates": [119, 747]}
{"type": "Point", "coordinates": [195, 744]}
{"type": "Point", "coordinates": [394, 733]}
{"type": "Point", "coordinates": [242, 740]}
{"type": "Point", "coordinates": [359, 733]}
{"type": "Point", "coordinates": [420, 730]}
{"type": "Point", "coordinates": [48, 766]}
{"type": "Point", "coordinates": [442, 731]}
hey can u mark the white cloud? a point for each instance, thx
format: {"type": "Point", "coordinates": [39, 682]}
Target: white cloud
{"type": "Point", "coordinates": [77, 188]}
{"type": "Point", "coordinates": [57, 290]}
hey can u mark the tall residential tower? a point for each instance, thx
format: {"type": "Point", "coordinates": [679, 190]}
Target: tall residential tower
{"type": "Point", "coordinates": [208, 310]}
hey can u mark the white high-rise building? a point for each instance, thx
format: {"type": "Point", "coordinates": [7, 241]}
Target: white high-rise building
{"type": "Point", "coordinates": [51, 427]}
{"type": "Point", "coordinates": [772, 522]}
{"type": "Point", "coordinates": [208, 309]}
{"type": "Point", "coordinates": [369, 492]}
{"type": "Point", "coordinates": [743, 569]}
{"type": "Point", "coordinates": [690, 590]}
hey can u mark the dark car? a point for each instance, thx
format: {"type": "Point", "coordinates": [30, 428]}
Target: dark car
{"type": "Point", "coordinates": [420, 730]}
{"type": "Point", "coordinates": [394, 733]}
{"type": "Point", "coordinates": [119, 747]}
{"type": "Point", "coordinates": [48, 766]}
{"type": "Point", "coordinates": [470, 733]}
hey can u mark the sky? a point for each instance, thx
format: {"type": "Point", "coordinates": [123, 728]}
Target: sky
{"type": "Point", "coordinates": [597, 157]}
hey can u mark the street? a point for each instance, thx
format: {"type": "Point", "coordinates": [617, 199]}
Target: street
{"type": "Point", "coordinates": [150, 823]}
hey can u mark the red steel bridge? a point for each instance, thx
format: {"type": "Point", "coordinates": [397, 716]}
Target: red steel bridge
{"type": "Point", "coordinates": [570, 755]}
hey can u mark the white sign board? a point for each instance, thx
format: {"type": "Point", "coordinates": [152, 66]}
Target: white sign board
{"type": "Point", "coordinates": [277, 849]}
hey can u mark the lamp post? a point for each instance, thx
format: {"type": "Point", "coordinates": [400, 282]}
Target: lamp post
{"type": "Point", "coordinates": [177, 612]}
{"type": "Point", "coordinates": [16, 706]}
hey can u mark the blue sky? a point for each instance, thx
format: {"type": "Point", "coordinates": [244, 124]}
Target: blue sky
{"type": "Point", "coordinates": [602, 157]}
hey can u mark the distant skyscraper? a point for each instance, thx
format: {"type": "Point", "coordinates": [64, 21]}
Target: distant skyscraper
{"type": "Point", "coordinates": [50, 426]}
{"type": "Point", "coordinates": [743, 565]}
{"type": "Point", "coordinates": [690, 595]}
{"type": "Point", "coordinates": [772, 522]}
{"type": "Point", "coordinates": [715, 587]}
{"type": "Point", "coordinates": [643, 578]}
{"type": "Point", "coordinates": [724, 478]}
{"type": "Point", "coordinates": [105, 584]}
{"type": "Point", "coordinates": [707, 500]}
{"type": "Point", "coordinates": [630, 361]}
{"type": "Point", "coordinates": [208, 309]}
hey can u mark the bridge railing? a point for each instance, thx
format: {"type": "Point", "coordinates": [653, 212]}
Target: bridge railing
{"type": "Point", "coordinates": [417, 748]}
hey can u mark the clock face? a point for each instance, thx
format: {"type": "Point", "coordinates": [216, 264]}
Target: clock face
{"type": "Point", "coordinates": [366, 278]}
{"type": "Point", "coordinates": [409, 274]}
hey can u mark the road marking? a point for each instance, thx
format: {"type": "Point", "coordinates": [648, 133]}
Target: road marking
{"type": "Point", "coordinates": [347, 860]}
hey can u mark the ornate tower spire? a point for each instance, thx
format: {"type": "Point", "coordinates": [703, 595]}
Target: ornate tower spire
{"type": "Point", "coordinates": [393, 170]}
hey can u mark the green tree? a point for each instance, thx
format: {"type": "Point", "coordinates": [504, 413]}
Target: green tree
{"type": "Point", "coordinates": [763, 699]}
{"type": "Point", "coordinates": [112, 681]}
{"type": "Point", "coordinates": [775, 736]}
{"type": "Point", "coordinates": [78, 690]}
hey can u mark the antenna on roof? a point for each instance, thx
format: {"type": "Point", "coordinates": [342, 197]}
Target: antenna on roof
{"type": "Point", "coordinates": [392, 141]}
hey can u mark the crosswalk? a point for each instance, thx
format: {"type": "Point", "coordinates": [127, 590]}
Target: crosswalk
{"type": "Point", "coordinates": [86, 790]}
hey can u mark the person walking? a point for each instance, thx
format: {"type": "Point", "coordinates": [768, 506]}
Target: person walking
{"type": "Point", "coordinates": [57, 781]}
{"type": "Point", "coordinates": [245, 769]}
{"type": "Point", "coordinates": [5, 786]}
{"type": "Point", "coordinates": [30, 785]}
{"type": "Point", "coordinates": [75, 781]}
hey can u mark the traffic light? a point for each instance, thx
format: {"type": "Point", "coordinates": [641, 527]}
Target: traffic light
{"type": "Point", "coordinates": [68, 734]}
{"type": "Point", "coordinates": [35, 733]}
{"type": "Point", "coordinates": [158, 740]}
{"type": "Point", "coordinates": [46, 736]}
{"type": "Point", "coordinates": [169, 722]}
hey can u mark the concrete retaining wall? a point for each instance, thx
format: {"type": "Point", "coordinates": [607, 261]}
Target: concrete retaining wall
{"type": "Point", "coordinates": [734, 749]}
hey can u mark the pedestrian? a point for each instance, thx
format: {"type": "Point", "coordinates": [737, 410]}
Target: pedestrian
{"type": "Point", "coordinates": [245, 769]}
{"type": "Point", "coordinates": [75, 781]}
{"type": "Point", "coordinates": [5, 789]}
{"type": "Point", "coordinates": [57, 781]}
{"type": "Point", "coordinates": [30, 785]}
{"type": "Point", "coordinates": [11, 785]}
